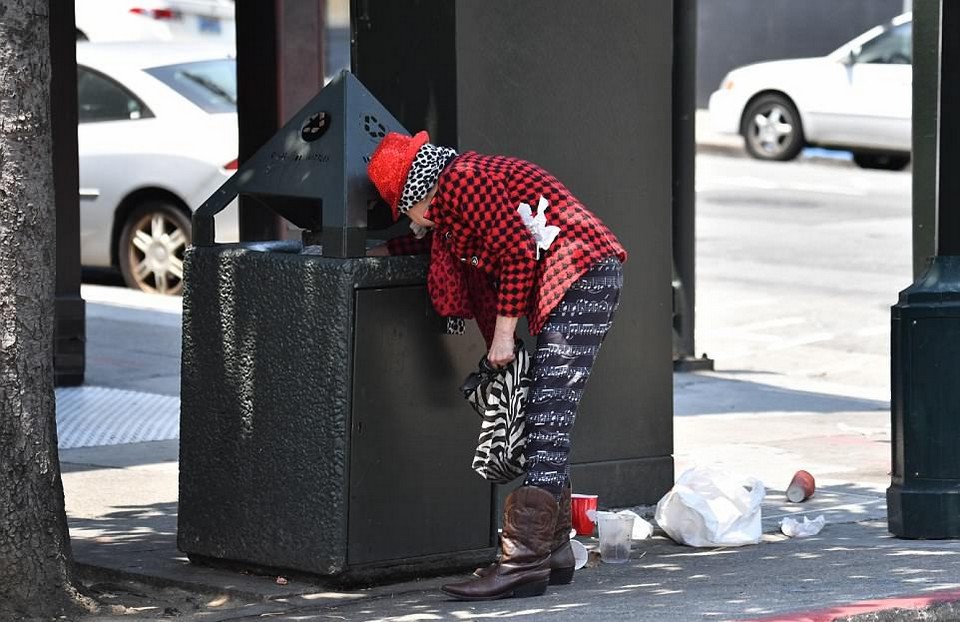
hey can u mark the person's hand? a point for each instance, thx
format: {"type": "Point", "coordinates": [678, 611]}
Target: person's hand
{"type": "Point", "coordinates": [501, 351]}
{"type": "Point", "coordinates": [380, 250]}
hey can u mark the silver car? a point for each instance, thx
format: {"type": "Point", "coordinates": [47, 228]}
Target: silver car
{"type": "Point", "coordinates": [158, 135]}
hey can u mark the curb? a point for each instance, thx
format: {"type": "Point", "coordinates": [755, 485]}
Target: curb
{"type": "Point", "coordinates": [935, 606]}
{"type": "Point", "coordinates": [737, 151]}
{"type": "Point", "coordinates": [732, 150]}
{"type": "Point", "coordinates": [290, 595]}
{"type": "Point", "coordinates": [947, 611]}
{"type": "Point", "coordinates": [89, 572]}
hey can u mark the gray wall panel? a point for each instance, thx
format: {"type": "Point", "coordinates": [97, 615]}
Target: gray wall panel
{"type": "Point", "coordinates": [584, 89]}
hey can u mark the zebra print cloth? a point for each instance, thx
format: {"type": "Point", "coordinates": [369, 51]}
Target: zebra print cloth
{"type": "Point", "coordinates": [499, 396]}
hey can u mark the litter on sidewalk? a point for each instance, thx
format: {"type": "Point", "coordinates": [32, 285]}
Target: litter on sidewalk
{"type": "Point", "coordinates": [801, 487]}
{"type": "Point", "coordinates": [795, 529]}
{"type": "Point", "coordinates": [708, 507]}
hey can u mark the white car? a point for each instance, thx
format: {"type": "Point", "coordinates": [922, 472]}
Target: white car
{"type": "Point", "coordinates": [156, 20]}
{"type": "Point", "coordinates": [158, 135]}
{"type": "Point", "coordinates": [857, 98]}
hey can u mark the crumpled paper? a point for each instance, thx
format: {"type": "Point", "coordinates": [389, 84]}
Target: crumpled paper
{"type": "Point", "coordinates": [795, 529]}
{"type": "Point", "coordinates": [542, 233]}
{"type": "Point", "coordinates": [642, 529]}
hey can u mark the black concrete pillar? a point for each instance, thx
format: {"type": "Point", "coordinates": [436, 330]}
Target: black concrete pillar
{"type": "Point", "coordinates": [417, 82]}
{"type": "Point", "coordinates": [923, 500]}
{"type": "Point", "coordinates": [585, 90]}
{"type": "Point", "coordinates": [280, 46]}
{"type": "Point", "coordinates": [69, 352]}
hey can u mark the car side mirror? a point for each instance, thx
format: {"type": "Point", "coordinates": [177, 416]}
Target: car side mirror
{"type": "Point", "coordinates": [851, 57]}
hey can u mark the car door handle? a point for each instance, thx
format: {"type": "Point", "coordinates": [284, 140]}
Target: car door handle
{"type": "Point", "coordinates": [89, 194]}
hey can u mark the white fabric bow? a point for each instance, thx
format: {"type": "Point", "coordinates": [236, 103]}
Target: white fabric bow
{"type": "Point", "coordinates": [542, 233]}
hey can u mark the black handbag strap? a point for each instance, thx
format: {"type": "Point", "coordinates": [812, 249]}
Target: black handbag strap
{"type": "Point", "coordinates": [485, 373]}
{"type": "Point", "coordinates": [483, 376]}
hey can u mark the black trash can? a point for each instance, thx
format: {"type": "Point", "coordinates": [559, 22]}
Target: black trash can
{"type": "Point", "coordinates": [321, 426]}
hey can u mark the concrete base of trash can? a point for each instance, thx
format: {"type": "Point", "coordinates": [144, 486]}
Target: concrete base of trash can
{"type": "Point", "coordinates": [321, 426]}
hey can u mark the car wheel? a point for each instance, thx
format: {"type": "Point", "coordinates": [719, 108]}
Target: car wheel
{"type": "Point", "coordinates": [151, 247]}
{"type": "Point", "coordinates": [771, 128]}
{"type": "Point", "coordinates": [882, 161]}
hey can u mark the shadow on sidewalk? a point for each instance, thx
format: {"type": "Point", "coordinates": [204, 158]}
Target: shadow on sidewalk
{"type": "Point", "coordinates": [696, 394]}
{"type": "Point", "coordinates": [132, 538]}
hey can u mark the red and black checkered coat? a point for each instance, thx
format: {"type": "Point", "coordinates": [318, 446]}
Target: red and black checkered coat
{"type": "Point", "coordinates": [483, 258]}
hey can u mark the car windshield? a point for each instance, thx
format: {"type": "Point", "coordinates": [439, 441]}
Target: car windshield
{"type": "Point", "coordinates": [893, 47]}
{"type": "Point", "coordinates": [211, 84]}
{"type": "Point", "coordinates": [842, 53]}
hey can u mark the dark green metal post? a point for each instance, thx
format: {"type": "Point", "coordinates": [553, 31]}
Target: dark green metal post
{"type": "Point", "coordinates": [926, 67]}
{"type": "Point", "coordinates": [280, 49]}
{"type": "Point", "coordinates": [69, 349]}
{"type": "Point", "coordinates": [923, 500]}
{"type": "Point", "coordinates": [258, 104]}
{"type": "Point", "coordinates": [684, 187]}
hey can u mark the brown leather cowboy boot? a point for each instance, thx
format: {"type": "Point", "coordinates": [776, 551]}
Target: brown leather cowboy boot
{"type": "Point", "coordinates": [529, 520]}
{"type": "Point", "coordinates": [562, 561]}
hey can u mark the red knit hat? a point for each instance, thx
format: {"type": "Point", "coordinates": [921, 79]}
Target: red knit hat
{"type": "Point", "coordinates": [390, 165]}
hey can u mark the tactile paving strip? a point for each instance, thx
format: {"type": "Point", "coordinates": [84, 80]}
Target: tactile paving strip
{"type": "Point", "coordinates": [95, 416]}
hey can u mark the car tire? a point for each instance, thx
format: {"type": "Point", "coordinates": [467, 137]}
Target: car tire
{"type": "Point", "coordinates": [771, 128]}
{"type": "Point", "coordinates": [151, 246]}
{"type": "Point", "coordinates": [882, 161]}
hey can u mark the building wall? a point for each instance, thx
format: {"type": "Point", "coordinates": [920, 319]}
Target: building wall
{"type": "Point", "coordinates": [739, 32]}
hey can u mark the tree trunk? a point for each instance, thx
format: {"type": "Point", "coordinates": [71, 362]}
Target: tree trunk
{"type": "Point", "coordinates": [35, 559]}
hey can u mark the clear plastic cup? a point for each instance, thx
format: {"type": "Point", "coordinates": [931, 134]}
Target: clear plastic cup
{"type": "Point", "coordinates": [615, 537]}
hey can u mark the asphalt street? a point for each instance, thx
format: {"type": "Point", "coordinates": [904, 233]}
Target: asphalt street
{"type": "Point", "coordinates": [797, 264]}
{"type": "Point", "coordinates": [127, 349]}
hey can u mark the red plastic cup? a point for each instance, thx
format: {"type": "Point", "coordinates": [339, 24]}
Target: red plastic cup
{"type": "Point", "coordinates": [579, 505]}
{"type": "Point", "coordinates": [801, 487]}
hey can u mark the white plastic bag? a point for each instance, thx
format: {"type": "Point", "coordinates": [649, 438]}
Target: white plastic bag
{"type": "Point", "coordinates": [795, 529]}
{"type": "Point", "coordinates": [707, 507]}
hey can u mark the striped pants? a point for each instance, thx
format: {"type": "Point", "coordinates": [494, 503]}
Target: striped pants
{"type": "Point", "coordinates": [566, 350]}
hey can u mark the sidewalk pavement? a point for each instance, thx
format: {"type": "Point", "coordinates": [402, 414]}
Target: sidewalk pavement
{"type": "Point", "coordinates": [122, 503]}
